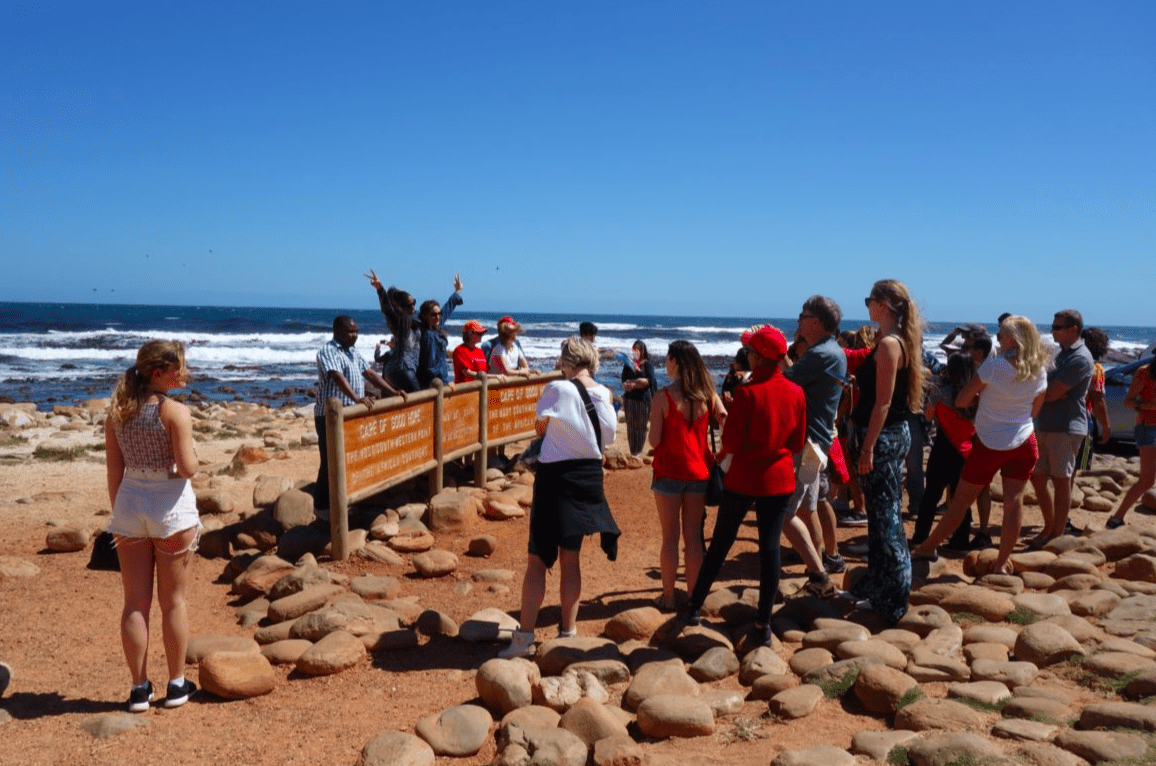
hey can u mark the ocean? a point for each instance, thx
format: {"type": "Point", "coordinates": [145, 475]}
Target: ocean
{"type": "Point", "coordinates": [66, 353]}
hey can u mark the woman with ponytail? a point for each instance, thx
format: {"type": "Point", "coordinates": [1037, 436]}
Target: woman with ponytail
{"type": "Point", "coordinates": [150, 458]}
{"type": "Point", "coordinates": [890, 382]}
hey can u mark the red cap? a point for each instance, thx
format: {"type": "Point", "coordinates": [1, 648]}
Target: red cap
{"type": "Point", "coordinates": [769, 343]}
{"type": "Point", "coordinates": [474, 325]}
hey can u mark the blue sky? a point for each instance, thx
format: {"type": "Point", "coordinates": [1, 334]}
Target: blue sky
{"type": "Point", "coordinates": [657, 157]}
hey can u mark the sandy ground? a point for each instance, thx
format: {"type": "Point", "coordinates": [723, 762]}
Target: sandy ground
{"type": "Point", "coordinates": [58, 631]}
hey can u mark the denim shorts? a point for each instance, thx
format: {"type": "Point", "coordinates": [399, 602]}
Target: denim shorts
{"type": "Point", "coordinates": [1145, 435]}
{"type": "Point", "coordinates": [678, 487]}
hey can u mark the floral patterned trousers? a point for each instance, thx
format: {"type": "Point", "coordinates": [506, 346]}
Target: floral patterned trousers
{"type": "Point", "coordinates": [887, 583]}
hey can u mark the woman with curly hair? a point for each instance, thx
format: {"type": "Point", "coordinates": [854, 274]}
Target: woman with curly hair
{"type": "Point", "coordinates": [890, 381]}
{"type": "Point", "coordinates": [150, 458]}
{"type": "Point", "coordinates": [1010, 386]}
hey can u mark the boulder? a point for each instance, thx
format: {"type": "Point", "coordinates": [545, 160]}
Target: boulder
{"type": "Point", "coordinates": [370, 586]}
{"type": "Point", "coordinates": [804, 661]}
{"type": "Point", "coordinates": [658, 679]}
{"type": "Point", "coordinates": [435, 563]}
{"type": "Point", "coordinates": [675, 715]}
{"type": "Point", "coordinates": [452, 512]}
{"type": "Point", "coordinates": [260, 576]}
{"type": "Point", "coordinates": [298, 604]}
{"type": "Point", "coordinates": [876, 745]}
{"type": "Point", "coordinates": [482, 545]}
{"type": "Point", "coordinates": [349, 614]}
{"type": "Point", "coordinates": [618, 751]}
{"type": "Point", "coordinates": [1139, 566]}
{"type": "Point", "coordinates": [459, 731]}
{"type": "Point", "coordinates": [267, 489]}
{"type": "Point", "coordinates": [236, 675]}
{"type": "Point", "coordinates": [1012, 674]}
{"type": "Point", "coordinates": [639, 623]}
{"type": "Point", "coordinates": [297, 580]}
{"type": "Point", "coordinates": [880, 688]}
{"type": "Point", "coordinates": [1045, 643]}
{"type": "Point", "coordinates": [504, 685]}
{"type": "Point", "coordinates": [335, 652]}
{"type": "Point", "coordinates": [542, 745]}
{"type": "Point", "coordinates": [984, 692]}
{"type": "Point", "coordinates": [396, 748]}
{"type": "Point", "coordinates": [555, 655]}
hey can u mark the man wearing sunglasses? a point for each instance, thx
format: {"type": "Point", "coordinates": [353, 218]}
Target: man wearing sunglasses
{"type": "Point", "coordinates": [1062, 424]}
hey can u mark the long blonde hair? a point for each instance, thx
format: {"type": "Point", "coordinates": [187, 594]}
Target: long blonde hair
{"type": "Point", "coordinates": [1031, 357]}
{"type": "Point", "coordinates": [133, 385]}
{"type": "Point", "coordinates": [894, 295]}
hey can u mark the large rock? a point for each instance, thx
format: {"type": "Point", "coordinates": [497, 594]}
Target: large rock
{"type": "Point", "coordinates": [939, 714]}
{"type": "Point", "coordinates": [396, 748]}
{"type": "Point", "coordinates": [592, 721]}
{"type": "Point", "coordinates": [459, 731]}
{"type": "Point", "coordinates": [336, 652]}
{"type": "Point", "coordinates": [1118, 715]}
{"type": "Point", "coordinates": [924, 618]}
{"type": "Point", "coordinates": [945, 749]}
{"type": "Point", "coordinates": [371, 586]}
{"type": "Point", "coordinates": [436, 563]}
{"type": "Point", "coordinates": [267, 489]}
{"type": "Point", "coordinates": [761, 662]}
{"type": "Point", "coordinates": [313, 597]}
{"type": "Point", "coordinates": [562, 692]}
{"type": "Point", "coordinates": [349, 614]}
{"type": "Point", "coordinates": [1139, 566]}
{"type": "Point", "coordinates": [1045, 643]}
{"type": "Point", "coordinates": [304, 576]}
{"type": "Point", "coordinates": [993, 634]}
{"type": "Point", "coordinates": [286, 651]}
{"type": "Point", "coordinates": [298, 541]}
{"type": "Point", "coordinates": [236, 675]}
{"type": "Point", "coordinates": [453, 512]}
{"type": "Point", "coordinates": [880, 688]}
{"type": "Point", "coordinates": [633, 624]}
{"type": "Point", "coordinates": [815, 755]}
{"type": "Point", "coordinates": [887, 653]}
{"type": "Point", "coordinates": [1012, 674]}
{"type": "Point", "coordinates": [1098, 746]}
{"type": "Point", "coordinates": [200, 647]}
{"type": "Point", "coordinates": [293, 508]}
{"type": "Point", "coordinates": [490, 624]}
{"type": "Point", "coordinates": [542, 745]}
{"type": "Point", "coordinates": [975, 599]}
{"type": "Point", "coordinates": [796, 703]}
{"type": "Point", "coordinates": [68, 539]}
{"type": "Point", "coordinates": [658, 679]}
{"type": "Point", "coordinates": [675, 715]}
{"type": "Point", "coordinates": [260, 576]}
{"type": "Point", "coordinates": [714, 665]}
{"type": "Point", "coordinates": [984, 692]}
{"type": "Point", "coordinates": [877, 744]}
{"type": "Point", "coordinates": [1116, 543]}
{"type": "Point", "coordinates": [555, 655]}
{"type": "Point", "coordinates": [1117, 664]}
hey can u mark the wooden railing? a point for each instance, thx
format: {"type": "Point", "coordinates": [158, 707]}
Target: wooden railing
{"type": "Point", "coordinates": [371, 450]}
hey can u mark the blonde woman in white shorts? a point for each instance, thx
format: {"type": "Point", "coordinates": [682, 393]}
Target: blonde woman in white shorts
{"type": "Point", "coordinates": [151, 457]}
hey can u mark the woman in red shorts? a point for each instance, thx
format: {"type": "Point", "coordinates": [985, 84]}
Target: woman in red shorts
{"type": "Point", "coordinates": [1010, 386]}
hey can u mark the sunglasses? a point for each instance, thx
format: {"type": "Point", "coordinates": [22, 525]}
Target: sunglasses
{"type": "Point", "coordinates": [805, 315]}
{"type": "Point", "coordinates": [1058, 327]}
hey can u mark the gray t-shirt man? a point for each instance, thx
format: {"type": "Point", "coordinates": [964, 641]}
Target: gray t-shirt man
{"type": "Point", "coordinates": [1068, 414]}
{"type": "Point", "coordinates": [819, 372]}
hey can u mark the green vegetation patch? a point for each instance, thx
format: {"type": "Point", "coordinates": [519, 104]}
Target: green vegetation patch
{"type": "Point", "coordinates": [11, 440]}
{"type": "Point", "coordinates": [967, 617]}
{"type": "Point", "coordinates": [742, 730]}
{"type": "Point", "coordinates": [837, 687]}
{"type": "Point", "coordinates": [1022, 616]}
{"type": "Point", "coordinates": [897, 756]}
{"type": "Point", "coordinates": [914, 694]}
{"type": "Point", "coordinates": [983, 707]}
{"type": "Point", "coordinates": [52, 455]}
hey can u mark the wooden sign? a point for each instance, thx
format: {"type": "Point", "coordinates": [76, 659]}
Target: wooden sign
{"type": "Point", "coordinates": [511, 410]}
{"type": "Point", "coordinates": [383, 445]}
{"type": "Point", "coordinates": [460, 421]}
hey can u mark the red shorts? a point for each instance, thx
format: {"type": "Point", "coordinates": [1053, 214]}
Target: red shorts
{"type": "Point", "coordinates": [984, 462]}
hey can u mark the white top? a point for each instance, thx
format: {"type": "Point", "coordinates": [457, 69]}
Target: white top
{"type": "Point", "coordinates": [570, 435]}
{"type": "Point", "coordinates": [1004, 418]}
{"type": "Point", "coordinates": [503, 360]}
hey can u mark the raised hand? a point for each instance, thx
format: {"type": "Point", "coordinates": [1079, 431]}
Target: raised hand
{"type": "Point", "coordinates": [373, 280]}
{"type": "Point", "coordinates": [457, 283]}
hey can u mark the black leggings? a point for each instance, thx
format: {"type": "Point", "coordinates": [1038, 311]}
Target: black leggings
{"type": "Point", "coordinates": [770, 513]}
{"type": "Point", "coordinates": [944, 465]}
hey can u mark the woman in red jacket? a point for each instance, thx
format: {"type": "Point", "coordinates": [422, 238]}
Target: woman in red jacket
{"type": "Point", "coordinates": [766, 425]}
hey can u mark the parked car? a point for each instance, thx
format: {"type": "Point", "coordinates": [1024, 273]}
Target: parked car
{"type": "Point", "coordinates": [1116, 383]}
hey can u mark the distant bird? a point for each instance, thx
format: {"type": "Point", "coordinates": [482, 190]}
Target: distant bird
{"type": "Point", "coordinates": [146, 255]}
{"type": "Point", "coordinates": [210, 251]}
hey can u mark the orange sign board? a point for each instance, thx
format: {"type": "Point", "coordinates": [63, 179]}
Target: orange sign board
{"type": "Point", "coordinates": [460, 421]}
{"type": "Point", "coordinates": [386, 444]}
{"type": "Point", "coordinates": [512, 410]}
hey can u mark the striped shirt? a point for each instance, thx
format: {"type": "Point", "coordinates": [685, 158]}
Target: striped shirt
{"type": "Point", "coordinates": [346, 361]}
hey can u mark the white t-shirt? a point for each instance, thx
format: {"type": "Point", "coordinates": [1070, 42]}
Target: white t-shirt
{"type": "Point", "coordinates": [1004, 418]}
{"type": "Point", "coordinates": [570, 435]}
{"type": "Point", "coordinates": [503, 360]}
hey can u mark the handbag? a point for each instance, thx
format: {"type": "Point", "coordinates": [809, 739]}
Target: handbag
{"type": "Point", "coordinates": [714, 482]}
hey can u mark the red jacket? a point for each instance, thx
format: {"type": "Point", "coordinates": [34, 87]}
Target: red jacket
{"type": "Point", "coordinates": [766, 423]}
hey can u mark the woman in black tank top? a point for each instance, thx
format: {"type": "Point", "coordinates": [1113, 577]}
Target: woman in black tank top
{"type": "Point", "coordinates": [890, 386]}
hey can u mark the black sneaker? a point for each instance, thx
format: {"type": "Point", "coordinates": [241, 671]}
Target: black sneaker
{"type": "Point", "coordinates": [139, 697]}
{"type": "Point", "coordinates": [1114, 523]}
{"type": "Point", "coordinates": [980, 542]}
{"type": "Point", "coordinates": [834, 564]}
{"type": "Point", "coordinates": [178, 694]}
{"type": "Point", "coordinates": [1070, 529]}
{"type": "Point", "coordinates": [854, 520]}
{"type": "Point", "coordinates": [691, 616]}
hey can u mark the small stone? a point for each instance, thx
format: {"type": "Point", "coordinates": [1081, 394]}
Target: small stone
{"type": "Point", "coordinates": [816, 755]}
{"type": "Point", "coordinates": [639, 623]}
{"type": "Point", "coordinates": [67, 539]}
{"type": "Point", "coordinates": [1119, 715]}
{"type": "Point", "coordinates": [658, 679]}
{"type": "Point", "coordinates": [876, 745]}
{"type": "Point", "coordinates": [714, 665]}
{"type": "Point", "coordinates": [945, 749]}
{"type": "Point", "coordinates": [945, 715]}
{"type": "Point", "coordinates": [436, 563]}
{"type": "Point", "coordinates": [286, 651]}
{"type": "Point", "coordinates": [796, 703]}
{"type": "Point", "coordinates": [1024, 731]}
{"type": "Point", "coordinates": [332, 654]}
{"type": "Point", "coordinates": [880, 688]}
{"type": "Point", "coordinates": [1097, 746]}
{"type": "Point", "coordinates": [396, 748]}
{"type": "Point", "coordinates": [985, 692]}
{"type": "Point", "coordinates": [489, 624]}
{"type": "Point", "coordinates": [482, 545]}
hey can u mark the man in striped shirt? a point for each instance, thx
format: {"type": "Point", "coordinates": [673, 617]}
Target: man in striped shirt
{"type": "Point", "coordinates": [341, 374]}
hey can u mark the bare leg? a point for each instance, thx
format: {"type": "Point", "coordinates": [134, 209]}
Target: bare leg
{"type": "Point", "coordinates": [800, 540]}
{"type": "Point", "coordinates": [173, 556]}
{"type": "Point", "coordinates": [1044, 498]}
{"type": "Point", "coordinates": [136, 576]}
{"type": "Point", "coordinates": [983, 507]}
{"type": "Point", "coordinates": [965, 494]}
{"type": "Point", "coordinates": [693, 510]}
{"type": "Point", "coordinates": [1013, 492]}
{"type": "Point", "coordinates": [1142, 485]}
{"type": "Point", "coordinates": [1062, 505]}
{"type": "Point", "coordinates": [811, 522]}
{"type": "Point", "coordinates": [570, 589]}
{"type": "Point", "coordinates": [669, 507]}
{"type": "Point", "coordinates": [826, 514]}
{"type": "Point", "coordinates": [533, 591]}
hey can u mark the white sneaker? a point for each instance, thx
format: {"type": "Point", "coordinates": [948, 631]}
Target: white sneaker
{"type": "Point", "coordinates": [521, 645]}
{"type": "Point", "coordinates": [567, 633]}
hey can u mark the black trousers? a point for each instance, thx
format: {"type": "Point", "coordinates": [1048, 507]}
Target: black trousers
{"type": "Point", "coordinates": [944, 465]}
{"type": "Point", "coordinates": [770, 514]}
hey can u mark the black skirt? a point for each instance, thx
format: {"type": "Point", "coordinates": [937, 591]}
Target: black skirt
{"type": "Point", "coordinates": [569, 501]}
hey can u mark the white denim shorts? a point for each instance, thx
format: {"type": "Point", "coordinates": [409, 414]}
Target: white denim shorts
{"type": "Point", "coordinates": [150, 504]}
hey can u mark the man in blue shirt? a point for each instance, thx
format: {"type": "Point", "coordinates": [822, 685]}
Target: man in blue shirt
{"type": "Point", "coordinates": [820, 372]}
{"type": "Point", "coordinates": [341, 374]}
